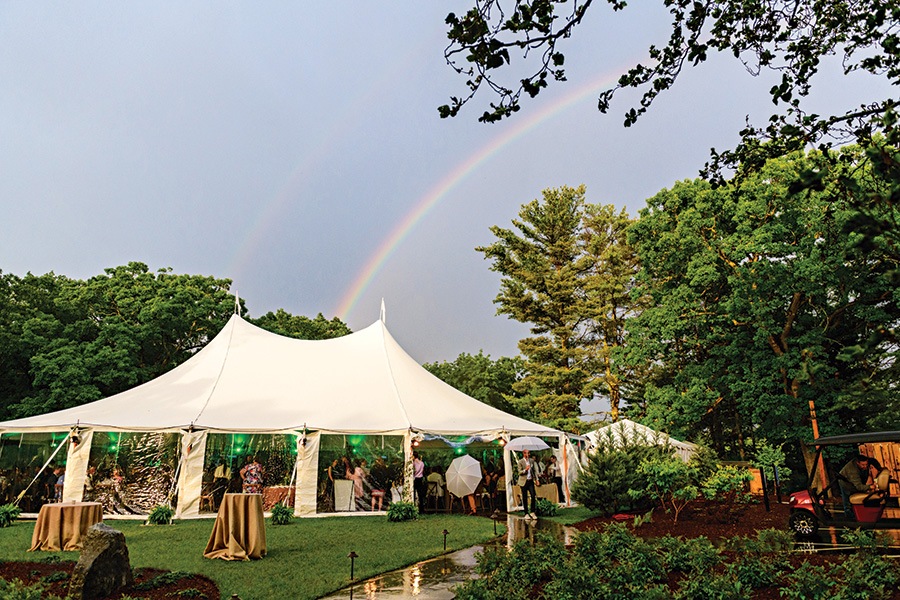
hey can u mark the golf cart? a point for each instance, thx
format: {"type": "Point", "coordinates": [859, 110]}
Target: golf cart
{"type": "Point", "coordinates": [823, 504]}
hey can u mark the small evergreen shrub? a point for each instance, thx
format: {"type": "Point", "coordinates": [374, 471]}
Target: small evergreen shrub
{"type": "Point", "coordinates": [766, 457]}
{"type": "Point", "coordinates": [282, 515]}
{"type": "Point", "coordinates": [161, 514]}
{"type": "Point", "coordinates": [8, 514]}
{"type": "Point", "coordinates": [545, 508]}
{"type": "Point", "coordinates": [612, 471]}
{"type": "Point", "coordinates": [402, 511]}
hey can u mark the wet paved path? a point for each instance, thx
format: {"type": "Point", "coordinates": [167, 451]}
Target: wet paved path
{"type": "Point", "coordinates": [435, 579]}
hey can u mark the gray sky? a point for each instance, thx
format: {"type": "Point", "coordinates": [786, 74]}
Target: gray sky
{"type": "Point", "coordinates": [287, 146]}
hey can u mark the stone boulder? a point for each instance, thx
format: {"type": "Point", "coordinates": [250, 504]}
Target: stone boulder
{"type": "Point", "coordinates": [103, 566]}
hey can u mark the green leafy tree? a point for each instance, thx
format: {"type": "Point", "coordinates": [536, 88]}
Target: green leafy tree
{"type": "Point", "coordinates": [298, 326]}
{"type": "Point", "coordinates": [490, 381]}
{"type": "Point", "coordinates": [788, 37]}
{"type": "Point", "coordinates": [65, 342]}
{"type": "Point", "coordinates": [98, 337]}
{"type": "Point", "coordinates": [759, 290]}
{"type": "Point", "coordinates": [567, 272]}
{"type": "Point", "coordinates": [667, 480]}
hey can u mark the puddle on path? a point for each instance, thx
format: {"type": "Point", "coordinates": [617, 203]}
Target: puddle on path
{"type": "Point", "coordinates": [435, 579]}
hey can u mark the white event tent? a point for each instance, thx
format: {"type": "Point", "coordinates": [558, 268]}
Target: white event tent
{"type": "Point", "coordinates": [249, 381]}
{"type": "Point", "coordinates": [626, 431]}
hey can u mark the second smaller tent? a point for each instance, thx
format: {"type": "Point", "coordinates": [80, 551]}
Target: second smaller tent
{"type": "Point", "coordinates": [624, 431]}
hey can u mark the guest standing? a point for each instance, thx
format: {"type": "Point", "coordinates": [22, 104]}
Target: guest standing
{"type": "Point", "coordinates": [419, 480]}
{"type": "Point", "coordinates": [252, 475]}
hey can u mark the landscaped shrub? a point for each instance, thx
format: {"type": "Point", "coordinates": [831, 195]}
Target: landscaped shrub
{"type": "Point", "coordinates": [667, 480]}
{"type": "Point", "coordinates": [17, 590]}
{"type": "Point", "coordinates": [8, 514]}
{"type": "Point", "coordinates": [609, 474]}
{"type": "Point", "coordinates": [765, 456]}
{"type": "Point", "coordinates": [775, 540]}
{"type": "Point", "coordinates": [282, 515]}
{"type": "Point", "coordinates": [704, 462]}
{"type": "Point", "coordinates": [867, 540]}
{"type": "Point", "coordinates": [614, 563]}
{"type": "Point", "coordinates": [161, 514]}
{"type": "Point", "coordinates": [161, 580]}
{"type": "Point", "coordinates": [515, 574]}
{"type": "Point", "coordinates": [727, 484]}
{"type": "Point", "coordinates": [402, 511]}
{"type": "Point", "coordinates": [545, 508]}
{"type": "Point", "coordinates": [865, 576]}
{"type": "Point", "coordinates": [754, 571]}
{"type": "Point", "coordinates": [687, 555]}
{"type": "Point", "coordinates": [808, 582]}
{"type": "Point", "coordinates": [711, 586]}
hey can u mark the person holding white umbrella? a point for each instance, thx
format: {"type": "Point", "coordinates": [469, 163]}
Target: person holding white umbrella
{"type": "Point", "coordinates": [527, 477]}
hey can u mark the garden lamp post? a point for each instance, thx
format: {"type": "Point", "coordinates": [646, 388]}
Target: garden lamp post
{"type": "Point", "coordinates": [495, 516]}
{"type": "Point", "coordinates": [445, 532]}
{"type": "Point", "coordinates": [352, 556]}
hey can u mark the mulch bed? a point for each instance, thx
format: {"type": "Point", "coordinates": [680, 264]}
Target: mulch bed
{"type": "Point", "coordinates": [708, 519]}
{"type": "Point", "coordinates": [55, 578]}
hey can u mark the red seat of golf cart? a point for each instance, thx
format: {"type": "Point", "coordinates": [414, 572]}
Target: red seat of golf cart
{"type": "Point", "coordinates": [869, 506]}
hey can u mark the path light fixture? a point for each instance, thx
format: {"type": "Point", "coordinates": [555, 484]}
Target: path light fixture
{"type": "Point", "coordinates": [495, 516]}
{"type": "Point", "coordinates": [445, 532]}
{"type": "Point", "coordinates": [352, 556]}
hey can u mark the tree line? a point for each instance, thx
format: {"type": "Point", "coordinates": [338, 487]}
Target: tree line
{"type": "Point", "coordinates": [65, 342]}
{"type": "Point", "coordinates": [738, 314]}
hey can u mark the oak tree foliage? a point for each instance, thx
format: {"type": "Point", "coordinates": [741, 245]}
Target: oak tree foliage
{"type": "Point", "coordinates": [507, 48]}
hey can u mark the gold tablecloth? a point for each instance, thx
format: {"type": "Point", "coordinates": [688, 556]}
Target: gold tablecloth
{"type": "Point", "coordinates": [239, 532]}
{"type": "Point", "coordinates": [62, 526]}
{"type": "Point", "coordinates": [547, 491]}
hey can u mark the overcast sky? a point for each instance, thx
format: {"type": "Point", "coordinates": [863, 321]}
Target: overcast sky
{"type": "Point", "coordinates": [296, 149]}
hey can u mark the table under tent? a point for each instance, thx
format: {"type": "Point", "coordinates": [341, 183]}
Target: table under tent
{"type": "Point", "coordinates": [308, 413]}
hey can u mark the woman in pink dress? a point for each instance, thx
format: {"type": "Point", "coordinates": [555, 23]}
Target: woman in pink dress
{"type": "Point", "coordinates": [359, 475]}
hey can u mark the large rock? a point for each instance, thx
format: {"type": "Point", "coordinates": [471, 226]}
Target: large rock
{"type": "Point", "coordinates": [103, 566]}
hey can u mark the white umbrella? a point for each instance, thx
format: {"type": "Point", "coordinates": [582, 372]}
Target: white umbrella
{"type": "Point", "coordinates": [463, 476]}
{"type": "Point", "coordinates": [529, 443]}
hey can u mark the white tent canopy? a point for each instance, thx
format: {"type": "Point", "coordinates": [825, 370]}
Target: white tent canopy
{"type": "Point", "coordinates": [629, 431]}
{"type": "Point", "coordinates": [248, 380]}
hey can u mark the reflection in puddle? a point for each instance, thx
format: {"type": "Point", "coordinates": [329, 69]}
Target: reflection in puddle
{"type": "Point", "coordinates": [435, 579]}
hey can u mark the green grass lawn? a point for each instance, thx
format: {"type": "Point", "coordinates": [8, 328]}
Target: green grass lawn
{"type": "Point", "coordinates": [306, 559]}
{"type": "Point", "coordinates": [574, 514]}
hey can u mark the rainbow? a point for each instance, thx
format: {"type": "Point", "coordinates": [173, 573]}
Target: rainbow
{"type": "Point", "coordinates": [342, 126]}
{"type": "Point", "coordinates": [431, 198]}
